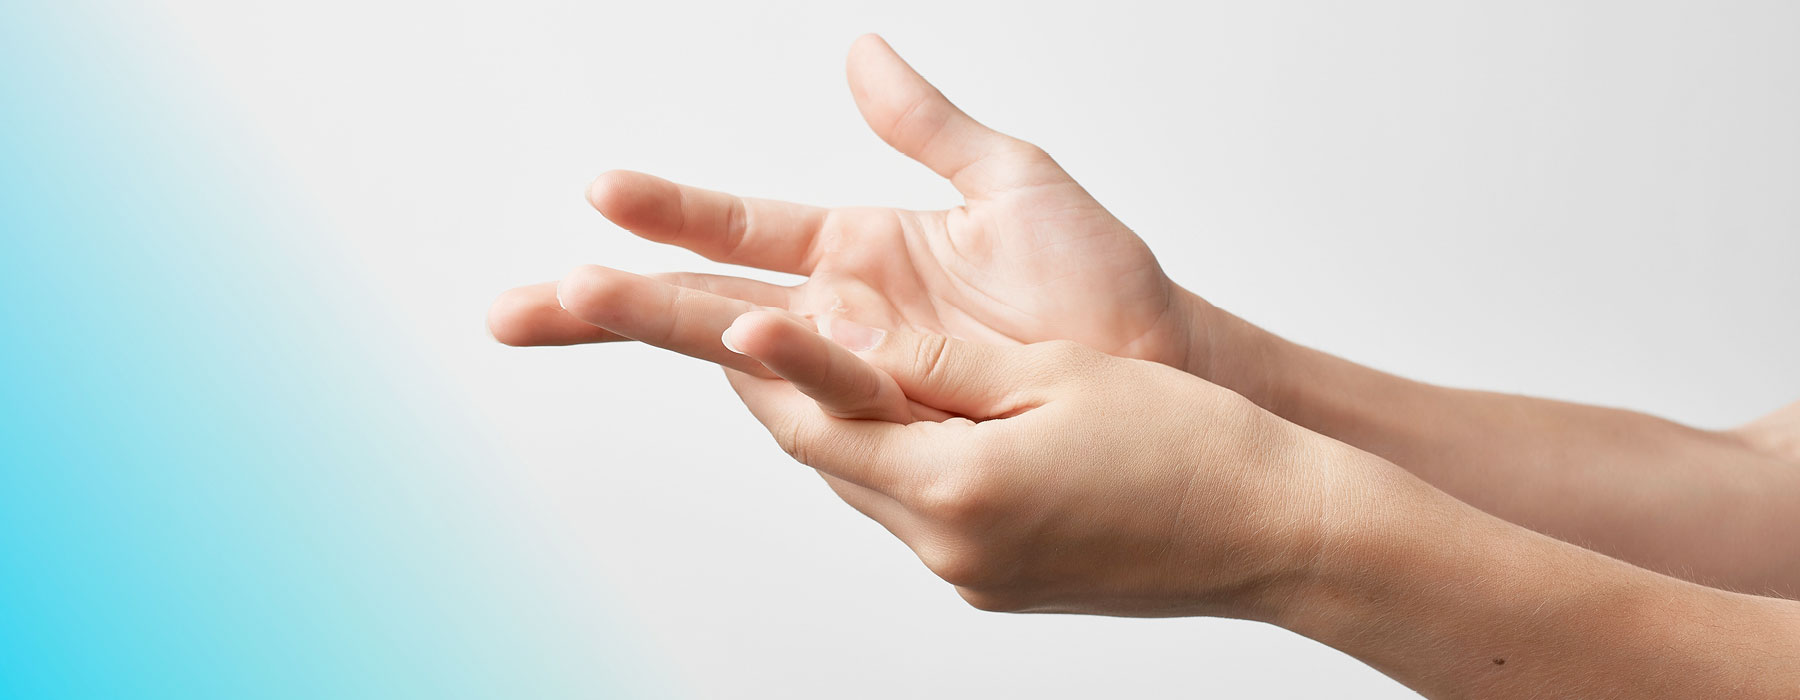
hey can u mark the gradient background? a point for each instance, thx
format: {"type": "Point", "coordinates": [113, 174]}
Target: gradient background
{"type": "Point", "coordinates": [254, 441]}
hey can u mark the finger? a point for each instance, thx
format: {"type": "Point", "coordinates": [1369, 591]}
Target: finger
{"type": "Point", "coordinates": [843, 384]}
{"type": "Point", "coordinates": [873, 454]}
{"type": "Point", "coordinates": [531, 315]}
{"type": "Point", "coordinates": [687, 321]}
{"type": "Point", "coordinates": [913, 117]}
{"type": "Point", "coordinates": [970, 379]}
{"type": "Point", "coordinates": [761, 233]}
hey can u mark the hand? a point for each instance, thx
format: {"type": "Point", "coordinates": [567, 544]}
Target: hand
{"type": "Point", "coordinates": [1028, 257]}
{"type": "Point", "coordinates": [1072, 481]}
{"type": "Point", "coordinates": [1084, 483]}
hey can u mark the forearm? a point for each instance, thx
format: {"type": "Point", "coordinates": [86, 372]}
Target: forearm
{"type": "Point", "coordinates": [1697, 504]}
{"type": "Point", "coordinates": [1455, 603]}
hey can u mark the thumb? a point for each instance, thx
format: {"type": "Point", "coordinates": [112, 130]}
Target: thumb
{"type": "Point", "coordinates": [969, 379]}
{"type": "Point", "coordinates": [917, 120]}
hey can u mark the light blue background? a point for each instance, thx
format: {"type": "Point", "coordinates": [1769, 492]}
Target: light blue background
{"type": "Point", "coordinates": [220, 474]}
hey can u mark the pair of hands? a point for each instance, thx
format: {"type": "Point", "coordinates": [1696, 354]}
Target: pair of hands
{"type": "Point", "coordinates": [1089, 474]}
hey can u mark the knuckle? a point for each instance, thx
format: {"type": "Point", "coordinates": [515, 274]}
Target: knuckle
{"type": "Point", "coordinates": [674, 317]}
{"type": "Point", "coordinates": [1026, 151]}
{"type": "Point", "coordinates": [1025, 162]}
{"type": "Point", "coordinates": [690, 280]}
{"type": "Point", "coordinates": [919, 121]}
{"type": "Point", "coordinates": [737, 229]}
{"type": "Point", "coordinates": [867, 394]}
{"type": "Point", "coordinates": [959, 499]}
{"type": "Point", "coordinates": [930, 356]}
{"type": "Point", "coordinates": [956, 564]}
{"type": "Point", "coordinates": [989, 600]}
{"type": "Point", "coordinates": [792, 436]}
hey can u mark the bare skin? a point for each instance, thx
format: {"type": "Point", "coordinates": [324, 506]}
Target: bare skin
{"type": "Point", "coordinates": [1424, 588]}
{"type": "Point", "coordinates": [1078, 482]}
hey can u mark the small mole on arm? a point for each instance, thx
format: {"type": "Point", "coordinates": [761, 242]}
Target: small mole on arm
{"type": "Point", "coordinates": [1499, 662]}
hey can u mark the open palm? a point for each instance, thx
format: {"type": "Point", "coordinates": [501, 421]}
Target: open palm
{"type": "Point", "coordinates": [1029, 256]}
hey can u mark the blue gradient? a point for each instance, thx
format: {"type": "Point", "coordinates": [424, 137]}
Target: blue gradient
{"type": "Point", "coordinates": [219, 476]}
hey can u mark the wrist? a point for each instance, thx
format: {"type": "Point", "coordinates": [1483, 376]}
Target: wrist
{"type": "Point", "coordinates": [1375, 554]}
{"type": "Point", "coordinates": [1407, 575]}
{"type": "Point", "coordinates": [1395, 548]}
{"type": "Point", "coordinates": [1453, 601]}
{"type": "Point", "coordinates": [1331, 531]}
{"type": "Point", "coordinates": [1229, 351]}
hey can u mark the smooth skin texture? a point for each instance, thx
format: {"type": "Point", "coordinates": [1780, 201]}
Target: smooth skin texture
{"type": "Point", "coordinates": [1077, 482]}
{"type": "Point", "coordinates": [1019, 261]}
{"type": "Point", "coordinates": [1031, 257]}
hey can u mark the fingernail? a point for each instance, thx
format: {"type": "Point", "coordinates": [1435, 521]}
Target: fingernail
{"type": "Point", "coordinates": [725, 338]}
{"type": "Point", "coordinates": [853, 336]}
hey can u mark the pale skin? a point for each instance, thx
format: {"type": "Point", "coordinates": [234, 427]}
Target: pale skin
{"type": "Point", "coordinates": [1020, 394]}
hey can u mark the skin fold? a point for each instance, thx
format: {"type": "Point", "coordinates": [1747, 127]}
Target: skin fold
{"type": "Point", "coordinates": [1019, 393]}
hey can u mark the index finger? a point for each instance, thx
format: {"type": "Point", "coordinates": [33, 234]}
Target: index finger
{"type": "Point", "coordinates": [654, 312]}
{"type": "Point", "coordinates": [761, 233]}
{"type": "Point", "coordinates": [533, 315]}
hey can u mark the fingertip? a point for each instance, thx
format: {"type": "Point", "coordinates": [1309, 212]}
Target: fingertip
{"type": "Point", "coordinates": [629, 199]}
{"type": "Point", "coordinates": [590, 292]}
{"type": "Point", "coordinates": [604, 192]}
{"type": "Point", "coordinates": [868, 41]}
{"type": "Point", "coordinates": [865, 68]}
{"type": "Point", "coordinates": [757, 333]}
{"type": "Point", "coordinates": [508, 317]}
{"type": "Point", "coordinates": [840, 383]}
{"type": "Point", "coordinates": [731, 343]}
{"type": "Point", "coordinates": [530, 316]}
{"type": "Point", "coordinates": [913, 116]}
{"type": "Point", "coordinates": [601, 191]}
{"type": "Point", "coordinates": [576, 280]}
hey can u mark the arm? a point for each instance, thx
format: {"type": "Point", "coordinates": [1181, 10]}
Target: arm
{"type": "Point", "coordinates": [1714, 507]}
{"type": "Point", "coordinates": [1456, 603]}
{"type": "Point", "coordinates": [1029, 256]}
{"type": "Point", "coordinates": [1089, 484]}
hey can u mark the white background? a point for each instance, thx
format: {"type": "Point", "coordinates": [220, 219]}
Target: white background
{"type": "Point", "coordinates": [1590, 201]}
